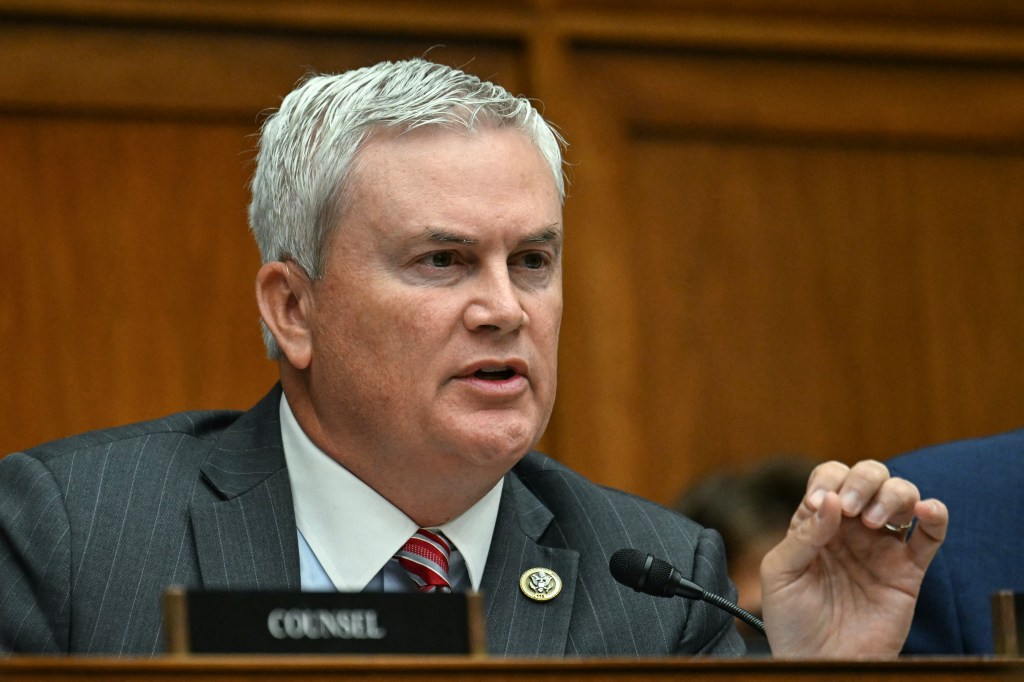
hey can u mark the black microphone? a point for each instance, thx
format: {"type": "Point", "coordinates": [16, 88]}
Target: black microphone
{"type": "Point", "coordinates": [653, 576]}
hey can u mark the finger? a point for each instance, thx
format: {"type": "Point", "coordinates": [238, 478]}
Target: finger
{"type": "Point", "coordinates": [803, 541]}
{"type": "Point", "coordinates": [893, 504]}
{"type": "Point", "coordinates": [861, 486]}
{"type": "Point", "coordinates": [932, 523]}
{"type": "Point", "coordinates": [826, 477]}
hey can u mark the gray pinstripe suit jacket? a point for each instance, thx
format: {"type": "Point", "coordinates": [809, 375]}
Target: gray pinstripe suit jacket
{"type": "Point", "coordinates": [94, 527]}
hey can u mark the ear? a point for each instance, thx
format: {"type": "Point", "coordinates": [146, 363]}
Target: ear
{"type": "Point", "coordinates": [284, 294]}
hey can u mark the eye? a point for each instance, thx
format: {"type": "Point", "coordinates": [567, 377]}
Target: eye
{"type": "Point", "coordinates": [534, 260]}
{"type": "Point", "coordinates": [440, 259]}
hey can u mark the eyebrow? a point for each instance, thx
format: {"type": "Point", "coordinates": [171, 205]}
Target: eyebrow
{"type": "Point", "coordinates": [438, 235]}
{"type": "Point", "coordinates": [545, 235]}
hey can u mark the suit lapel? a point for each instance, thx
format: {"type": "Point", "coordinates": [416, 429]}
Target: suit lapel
{"type": "Point", "coordinates": [245, 538]}
{"type": "Point", "coordinates": [517, 625]}
{"type": "Point", "coordinates": [245, 534]}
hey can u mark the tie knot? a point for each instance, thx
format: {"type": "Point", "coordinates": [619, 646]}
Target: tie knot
{"type": "Point", "coordinates": [425, 558]}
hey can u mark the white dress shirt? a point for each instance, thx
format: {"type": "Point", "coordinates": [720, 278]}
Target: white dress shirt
{"type": "Point", "coordinates": [347, 532]}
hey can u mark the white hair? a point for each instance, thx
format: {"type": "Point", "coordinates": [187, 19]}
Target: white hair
{"type": "Point", "coordinates": [307, 147]}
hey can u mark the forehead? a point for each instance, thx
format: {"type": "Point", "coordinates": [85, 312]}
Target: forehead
{"type": "Point", "coordinates": [431, 176]}
{"type": "Point", "coordinates": [437, 147]}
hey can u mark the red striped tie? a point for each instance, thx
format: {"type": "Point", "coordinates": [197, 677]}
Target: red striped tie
{"type": "Point", "coordinates": [425, 559]}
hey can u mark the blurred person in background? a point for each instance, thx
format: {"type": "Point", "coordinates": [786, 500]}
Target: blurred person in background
{"type": "Point", "coordinates": [751, 509]}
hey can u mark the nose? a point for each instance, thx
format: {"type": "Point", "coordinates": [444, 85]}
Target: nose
{"type": "Point", "coordinates": [495, 304]}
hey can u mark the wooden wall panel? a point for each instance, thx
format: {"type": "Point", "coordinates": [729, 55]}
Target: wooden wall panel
{"type": "Point", "coordinates": [125, 154]}
{"type": "Point", "coordinates": [791, 226]}
{"type": "Point", "coordinates": [188, 72]}
{"type": "Point", "coordinates": [812, 256]}
{"type": "Point", "coordinates": [803, 304]}
{"type": "Point", "coordinates": [132, 293]}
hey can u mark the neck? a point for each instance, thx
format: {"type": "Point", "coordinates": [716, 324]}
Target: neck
{"type": "Point", "coordinates": [429, 498]}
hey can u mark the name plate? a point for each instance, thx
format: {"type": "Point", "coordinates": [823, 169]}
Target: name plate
{"type": "Point", "coordinates": [224, 622]}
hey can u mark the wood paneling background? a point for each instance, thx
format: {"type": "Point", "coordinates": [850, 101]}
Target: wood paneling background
{"type": "Point", "coordinates": [792, 226]}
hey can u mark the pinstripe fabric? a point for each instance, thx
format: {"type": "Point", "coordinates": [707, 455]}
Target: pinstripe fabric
{"type": "Point", "coordinates": [552, 517]}
{"type": "Point", "coordinates": [94, 528]}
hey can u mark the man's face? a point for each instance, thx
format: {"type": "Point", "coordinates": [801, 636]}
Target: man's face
{"type": "Point", "coordinates": [435, 325]}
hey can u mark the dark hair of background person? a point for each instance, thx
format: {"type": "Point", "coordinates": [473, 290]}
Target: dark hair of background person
{"type": "Point", "coordinates": [751, 509]}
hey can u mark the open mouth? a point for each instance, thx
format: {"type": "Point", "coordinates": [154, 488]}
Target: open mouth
{"type": "Point", "coordinates": [494, 374]}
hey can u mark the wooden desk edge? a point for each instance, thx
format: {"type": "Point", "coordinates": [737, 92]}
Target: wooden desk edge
{"type": "Point", "coordinates": [446, 662]}
{"type": "Point", "coordinates": [204, 668]}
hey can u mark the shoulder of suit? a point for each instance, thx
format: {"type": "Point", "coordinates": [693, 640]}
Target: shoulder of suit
{"type": "Point", "coordinates": [541, 473]}
{"type": "Point", "coordinates": [198, 425]}
{"type": "Point", "coordinates": [979, 475]}
{"type": "Point", "coordinates": [995, 450]}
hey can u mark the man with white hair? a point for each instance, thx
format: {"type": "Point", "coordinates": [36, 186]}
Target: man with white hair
{"type": "Point", "coordinates": [409, 218]}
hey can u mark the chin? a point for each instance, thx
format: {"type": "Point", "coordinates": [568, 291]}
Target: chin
{"type": "Point", "coordinates": [501, 450]}
{"type": "Point", "coordinates": [489, 438]}
{"type": "Point", "coordinates": [498, 447]}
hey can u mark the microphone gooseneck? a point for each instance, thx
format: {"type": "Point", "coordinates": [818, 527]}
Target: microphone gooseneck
{"type": "Point", "coordinates": [650, 575]}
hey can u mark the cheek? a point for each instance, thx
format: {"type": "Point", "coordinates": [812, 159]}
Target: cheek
{"type": "Point", "coordinates": [429, 315]}
{"type": "Point", "coordinates": [375, 320]}
{"type": "Point", "coordinates": [352, 343]}
{"type": "Point", "coordinates": [406, 340]}
{"type": "Point", "coordinates": [548, 322]}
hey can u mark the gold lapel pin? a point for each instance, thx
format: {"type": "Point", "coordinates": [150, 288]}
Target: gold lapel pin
{"type": "Point", "coordinates": [540, 584]}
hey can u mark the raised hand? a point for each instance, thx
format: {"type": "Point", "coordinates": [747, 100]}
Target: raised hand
{"type": "Point", "coordinates": [844, 581]}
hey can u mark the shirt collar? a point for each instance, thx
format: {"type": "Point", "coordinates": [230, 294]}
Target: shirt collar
{"type": "Point", "coordinates": [352, 529]}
